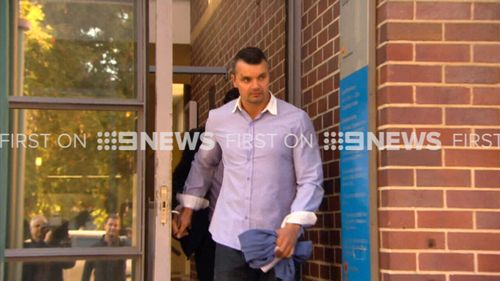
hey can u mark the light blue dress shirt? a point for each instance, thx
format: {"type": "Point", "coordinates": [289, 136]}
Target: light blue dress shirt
{"type": "Point", "coordinates": [272, 170]}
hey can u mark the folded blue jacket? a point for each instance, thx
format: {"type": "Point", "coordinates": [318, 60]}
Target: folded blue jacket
{"type": "Point", "coordinates": [258, 247]}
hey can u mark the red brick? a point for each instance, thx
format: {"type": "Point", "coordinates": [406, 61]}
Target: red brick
{"type": "Point", "coordinates": [395, 177]}
{"type": "Point", "coordinates": [316, 25]}
{"type": "Point", "coordinates": [410, 115]}
{"type": "Point", "coordinates": [322, 5]}
{"type": "Point", "coordinates": [411, 158]}
{"type": "Point", "coordinates": [413, 277]}
{"type": "Point", "coordinates": [333, 99]}
{"type": "Point", "coordinates": [472, 32]}
{"type": "Point", "coordinates": [443, 10]}
{"type": "Point", "coordinates": [472, 158]}
{"type": "Point", "coordinates": [472, 74]}
{"type": "Point", "coordinates": [488, 220]}
{"type": "Point", "coordinates": [322, 71]}
{"type": "Point", "coordinates": [488, 263]}
{"type": "Point", "coordinates": [336, 45]}
{"type": "Point", "coordinates": [486, 138]}
{"type": "Point", "coordinates": [327, 17]}
{"type": "Point", "coordinates": [487, 178]}
{"type": "Point", "coordinates": [328, 88]}
{"type": "Point", "coordinates": [314, 269]}
{"type": "Point", "coordinates": [395, 52]}
{"type": "Point", "coordinates": [474, 241]}
{"type": "Point", "coordinates": [444, 219]}
{"type": "Point", "coordinates": [395, 94]}
{"type": "Point", "coordinates": [446, 136]}
{"type": "Point", "coordinates": [489, 53]}
{"type": "Point", "coordinates": [336, 10]}
{"type": "Point", "coordinates": [322, 37]}
{"type": "Point", "coordinates": [328, 50]}
{"type": "Point", "coordinates": [442, 52]}
{"type": "Point", "coordinates": [333, 65]}
{"type": "Point", "coordinates": [487, 11]}
{"type": "Point", "coordinates": [312, 109]}
{"type": "Point", "coordinates": [410, 31]}
{"type": "Point", "coordinates": [443, 178]}
{"type": "Point", "coordinates": [412, 198]}
{"type": "Point", "coordinates": [412, 240]}
{"type": "Point", "coordinates": [474, 277]}
{"type": "Point", "coordinates": [443, 95]}
{"type": "Point", "coordinates": [446, 262]}
{"type": "Point", "coordinates": [333, 30]}
{"type": "Point", "coordinates": [307, 33]}
{"type": "Point", "coordinates": [486, 96]}
{"type": "Point", "coordinates": [398, 261]}
{"type": "Point", "coordinates": [324, 272]}
{"type": "Point", "coordinates": [318, 253]}
{"type": "Point", "coordinates": [394, 10]}
{"type": "Point", "coordinates": [410, 73]}
{"type": "Point", "coordinates": [473, 199]}
{"type": "Point", "coordinates": [472, 116]}
{"type": "Point", "coordinates": [396, 219]}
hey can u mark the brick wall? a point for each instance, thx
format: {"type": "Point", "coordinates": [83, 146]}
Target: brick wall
{"type": "Point", "coordinates": [438, 70]}
{"type": "Point", "coordinates": [235, 25]}
{"type": "Point", "coordinates": [320, 95]}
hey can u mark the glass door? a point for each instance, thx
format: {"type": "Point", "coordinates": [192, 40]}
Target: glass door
{"type": "Point", "coordinates": [77, 103]}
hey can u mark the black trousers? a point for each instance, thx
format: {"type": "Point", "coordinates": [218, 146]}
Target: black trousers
{"type": "Point", "coordinates": [204, 258]}
{"type": "Point", "coordinates": [230, 265]}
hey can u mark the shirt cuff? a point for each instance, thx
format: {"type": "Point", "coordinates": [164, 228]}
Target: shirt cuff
{"type": "Point", "coordinates": [192, 202]}
{"type": "Point", "coordinates": [303, 218]}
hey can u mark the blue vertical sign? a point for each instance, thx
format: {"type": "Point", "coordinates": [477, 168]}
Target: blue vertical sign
{"type": "Point", "coordinates": [354, 178]}
{"type": "Point", "coordinates": [358, 204]}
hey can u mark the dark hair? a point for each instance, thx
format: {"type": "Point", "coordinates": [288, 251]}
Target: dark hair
{"type": "Point", "coordinates": [112, 217]}
{"type": "Point", "coordinates": [231, 95]}
{"type": "Point", "coordinates": [250, 55]}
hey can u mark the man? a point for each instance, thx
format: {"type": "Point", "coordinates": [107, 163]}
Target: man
{"type": "Point", "coordinates": [199, 241]}
{"type": "Point", "coordinates": [38, 233]}
{"type": "Point", "coordinates": [43, 237]}
{"type": "Point", "coordinates": [272, 170]}
{"type": "Point", "coordinates": [105, 270]}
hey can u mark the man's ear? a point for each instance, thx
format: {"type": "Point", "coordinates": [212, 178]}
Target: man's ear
{"type": "Point", "coordinates": [233, 79]}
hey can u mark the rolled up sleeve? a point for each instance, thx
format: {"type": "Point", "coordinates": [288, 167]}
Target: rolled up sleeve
{"type": "Point", "coordinates": [309, 175]}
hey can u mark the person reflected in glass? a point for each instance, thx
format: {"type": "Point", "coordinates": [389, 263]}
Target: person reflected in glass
{"type": "Point", "coordinates": [45, 236]}
{"type": "Point", "coordinates": [106, 270]}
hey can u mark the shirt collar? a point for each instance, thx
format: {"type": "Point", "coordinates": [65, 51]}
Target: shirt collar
{"type": "Point", "coordinates": [272, 105]}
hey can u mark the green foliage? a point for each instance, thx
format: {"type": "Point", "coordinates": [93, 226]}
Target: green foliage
{"type": "Point", "coordinates": [84, 50]}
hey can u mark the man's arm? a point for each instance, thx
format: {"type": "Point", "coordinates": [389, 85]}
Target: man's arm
{"type": "Point", "coordinates": [199, 179]}
{"type": "Point", "coordinates": [309, 174]}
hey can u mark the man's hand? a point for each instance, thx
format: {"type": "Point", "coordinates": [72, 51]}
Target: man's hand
{"type": "Point", "coordinates": [48, 237]}
{"type": "Point", "coordinates": [287, 238]}
{"type": "Point", "coordinates": [175, 222]}
{"type": "Point", "coordinates": [184, 223]}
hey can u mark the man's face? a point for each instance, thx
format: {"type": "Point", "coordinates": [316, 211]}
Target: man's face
{"type": "Point", "coordinates": [112, 228]}
{"type": "Point", "coordinates": [37, 227]}
{"type": "Point", "coordinates": [252, 81]}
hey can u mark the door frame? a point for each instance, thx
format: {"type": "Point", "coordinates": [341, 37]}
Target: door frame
{"type": "Point", "coordinates": [162, 233]}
